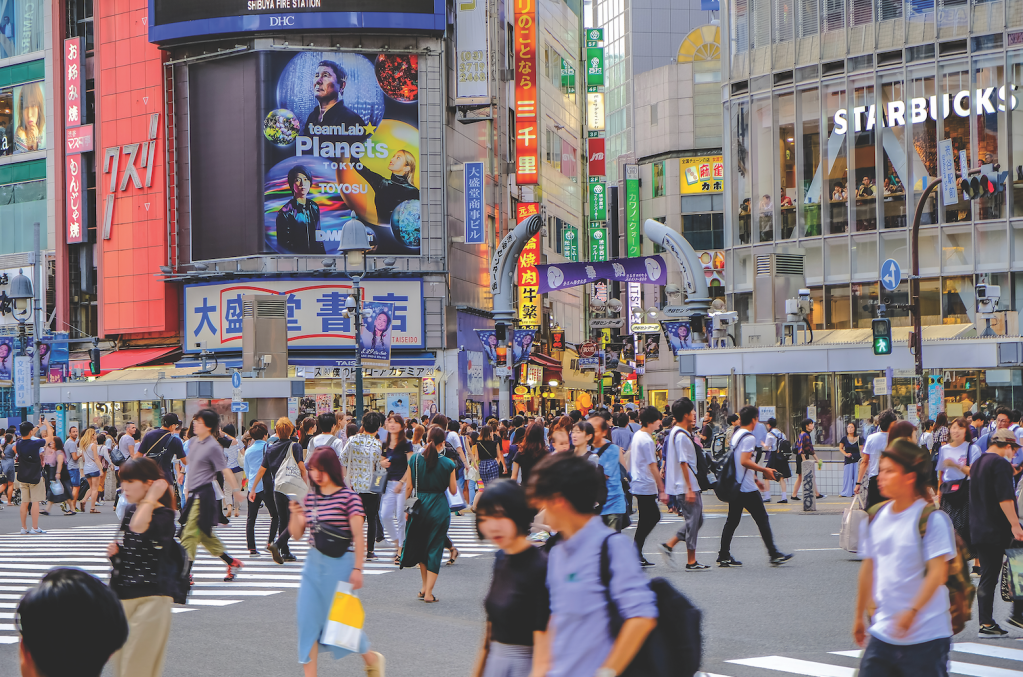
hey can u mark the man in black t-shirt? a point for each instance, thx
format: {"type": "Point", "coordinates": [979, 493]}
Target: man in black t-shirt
{"type": "Point", "coordinates": [994, 525]}
{"type": "Point", "coordinates": [163, 445]}
{"type": "Point", "coordinates": [28, 452]}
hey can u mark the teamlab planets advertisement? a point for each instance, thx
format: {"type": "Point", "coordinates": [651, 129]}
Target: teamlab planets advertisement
{"type": "Point", "coordinates": [341, 142]}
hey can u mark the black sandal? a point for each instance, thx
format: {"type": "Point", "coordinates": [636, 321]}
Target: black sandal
{"type": "Point", "coordinates": [454, 556]}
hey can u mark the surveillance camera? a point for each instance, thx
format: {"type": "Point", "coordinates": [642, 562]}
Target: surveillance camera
{"type": "Point", "coordinates": [804, 293]}
{"type": "Point", "coordinates": [987, 297]}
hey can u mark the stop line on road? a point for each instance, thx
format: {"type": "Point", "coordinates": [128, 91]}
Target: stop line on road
{"type": "Point", "coordinates": [24, 559]}
{"type": "Point", "coordinates": [773, 665]}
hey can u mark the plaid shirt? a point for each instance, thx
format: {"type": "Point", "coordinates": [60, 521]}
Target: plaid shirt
{"type": "Point", "coordinates": [804, 445]}
{"type": "Point", "coordinates": [361, 459]}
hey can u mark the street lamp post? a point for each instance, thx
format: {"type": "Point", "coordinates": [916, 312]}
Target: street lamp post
{"type": "Point", "coordinates": [354, 244]}
{"type": "Point", "coordinates": [22, 297]}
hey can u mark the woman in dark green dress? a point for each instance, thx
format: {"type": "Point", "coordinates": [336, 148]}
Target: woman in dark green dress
{"type": "Point", "coordinates": [431, 475]}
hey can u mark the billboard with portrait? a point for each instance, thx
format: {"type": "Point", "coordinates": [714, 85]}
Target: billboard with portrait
{"type": "Point", "coordinates": [6, 358]}
{"type": "Point", "coordinates": [488, 338]}
{"type": "Point", "coordinates": [21, 27]}
{"type": "Point", "coordinates": [341, 142]}
{"type": "Point", "coordinates": [523, 347]}
{"type": "Point", "coordinates": [679, 335]}
{"type": "Point", "coordinates": [375, 333]}
{"type": "Point", "coordinates": [22, 118]}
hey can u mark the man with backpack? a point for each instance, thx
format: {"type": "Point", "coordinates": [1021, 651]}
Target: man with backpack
{"type": "Point", "coordinates": [870, 460]}
{"type": "Point", "coordinates": [742, 490]}
{"type": "Point", "coordinates": [28, 453]}
{"type": "Point", "coordinates": [571, 490]}
{"type": "Point", "coordinates": [907, 547]}
{"type": "Point", "coordinates": [680, 467]}
{"type": "Point", "coordinates": [608, 458]}
{"type": "Point", "coordinates": [994, 524]}
{"type": "Point", "coordinates": [163, 445]}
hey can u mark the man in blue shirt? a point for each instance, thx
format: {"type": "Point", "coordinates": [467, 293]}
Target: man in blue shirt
{"type": "Point", "coordinates": [609, 458]}
{"type": "Point", "coordinates": [569, 488]}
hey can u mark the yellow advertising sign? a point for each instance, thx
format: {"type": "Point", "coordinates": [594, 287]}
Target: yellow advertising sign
{"type": "Point", "coordinates": [701, 175]}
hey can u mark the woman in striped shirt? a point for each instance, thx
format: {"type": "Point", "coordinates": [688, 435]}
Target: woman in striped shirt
{"type": "Point", "coordinates": [337, 507]}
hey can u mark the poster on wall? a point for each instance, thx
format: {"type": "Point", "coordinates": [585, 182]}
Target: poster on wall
{"type": "Point", "coordinates": [323, 403]}
{"type": "Point", "coordinates": [474, 366]}
{"type": "Point", "coordinates": [523, 345]}
{"type": "Point", "coordinates": [679, 335]}
{"type": "Point", "coordinates": [375, 334]}
{"type": "Point", "coordinates": [6, 358]}
{"type": "Point", "coordinates": [398, 403]}
{"type": "Point", "coordinates": [341, 142]}
{"type": "Point", "coordinates": [488, 339]}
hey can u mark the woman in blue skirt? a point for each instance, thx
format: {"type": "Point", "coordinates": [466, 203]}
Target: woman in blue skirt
{"type": "Point", "coordinates": [338, 511]}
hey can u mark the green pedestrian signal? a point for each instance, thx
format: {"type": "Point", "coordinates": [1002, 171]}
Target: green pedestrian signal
{"type": "Point", "coordinates": [94, 365]}
{"type": "Point", "coordinates": [882, 332]}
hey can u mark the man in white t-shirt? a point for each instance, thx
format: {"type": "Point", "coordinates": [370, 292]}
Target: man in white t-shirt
{"type": "Point", "coordinates": [327, 428]}
{"type": "Point", "coordinates": [771, 444]}
{"type": "Point", "coordinates": [870, 459]}
{"type": "Point", "coordinates": [647, 485]}
{"type": "Point", "coordinates": [748, 498]}
{"type": "Point", "coordinates": [911, 629]}
{"type": "Point", "coordinates": [680, 481]}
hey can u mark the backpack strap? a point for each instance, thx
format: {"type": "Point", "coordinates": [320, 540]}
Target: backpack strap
{"type": "Point", "coordinates": [613, 615]}
{"type": "Point", "coordinates": [874, 509]}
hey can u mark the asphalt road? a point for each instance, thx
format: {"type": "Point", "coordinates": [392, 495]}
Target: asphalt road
{"type": "Point", "coordinates": [801, 610]}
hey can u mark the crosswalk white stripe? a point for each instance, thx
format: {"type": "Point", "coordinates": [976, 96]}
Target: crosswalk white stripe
{"type": "Point", "coordinates": [988, 650]}
{"type": "Point", "coordinates": [796, 666]}
{"type": "Point", "coordinates": [236, 593]}
{"type": "Point", "coordinates": [973, 670]}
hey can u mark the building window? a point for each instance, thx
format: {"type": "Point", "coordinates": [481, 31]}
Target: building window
{"type": "Point", "coordinates": [21, 206]}
{"type": "Point", "coordinates": [653, 114]}
{"type": "Point", "coordinates": [657, 176]}
{"type": "Point", "coordinates": [22, 119]}
{"type": "Point", "coordinates": [511, 135]}
{"type": "Point", "coordinates": [553, 150]}
{"type": "Point", "coordinates": [704, 231]}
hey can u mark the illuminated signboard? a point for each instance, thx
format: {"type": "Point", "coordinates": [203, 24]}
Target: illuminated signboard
{"type": "Point", "coordinates": [527, 137]}
{"type": "Point", "coordinates": [528, 279]}
{"type": "Point", "coordinates": [179, 19]}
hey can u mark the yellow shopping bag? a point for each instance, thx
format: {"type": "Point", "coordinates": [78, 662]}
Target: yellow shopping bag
{"type": "Point", "coordinates": [345, 620]}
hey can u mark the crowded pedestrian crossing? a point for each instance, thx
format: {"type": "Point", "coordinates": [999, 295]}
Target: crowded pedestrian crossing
{"type": "Point", "coordinates": [25, 558]}
{"type": "Point", "coordinates": [972, 659]}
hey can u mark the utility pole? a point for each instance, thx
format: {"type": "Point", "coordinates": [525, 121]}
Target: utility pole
{"type": "Point", "coordinates": [38, 311]}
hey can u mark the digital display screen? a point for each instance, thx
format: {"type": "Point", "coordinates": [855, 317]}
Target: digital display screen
{"type": "Point", "coordinates": [180, 19]}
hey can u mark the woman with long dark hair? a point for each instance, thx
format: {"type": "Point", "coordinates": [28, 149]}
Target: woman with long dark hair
{"type": "Point", "coordinates": [804, 447]}
{"type": "Point", "coordinates": [336, 515]}
{"type": "Point", "coordinates": [489, 451]}
{"type": "Point", "coordinates": [430, 474]}
{"type": "Point", "coordinates": [850, 446]}
{"type": "Point", "coordinates": [940, 435]}
{"type": "Point", "coordinates": [530, 451]}
{"type": "Point", "coordinates": [148, 532]}
{"type": "Point", "coordinates": [398, 451]}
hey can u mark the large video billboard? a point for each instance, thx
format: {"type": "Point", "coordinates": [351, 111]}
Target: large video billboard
{"type": "Point", "coordinates": [340, 142]}
{"type": "Point", "coordinates": [180, 19]}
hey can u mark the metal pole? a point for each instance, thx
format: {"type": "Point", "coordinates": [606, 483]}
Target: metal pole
{"type": "Point", "coordinates": [37, 312]}
{"type": "Point", "coordinates": [358, 349]}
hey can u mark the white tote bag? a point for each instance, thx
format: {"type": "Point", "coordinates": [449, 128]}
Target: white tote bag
{"type": "Point", "coordinates": [288, 479]}
{"type": "Point", "coordinates": [852, 519]}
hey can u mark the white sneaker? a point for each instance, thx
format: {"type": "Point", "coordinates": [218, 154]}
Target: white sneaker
{"type": "Point", "coordinates": [37, 531]}
{"type": "Point", "coordinates": [25, 531]}
{"type": "Point", "coordinates": [99, 502]}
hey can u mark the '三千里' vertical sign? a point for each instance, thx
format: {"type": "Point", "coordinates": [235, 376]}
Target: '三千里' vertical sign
{"type": "Point", "coordinates": [472, 86]}
{"type": "Point", "coordinates": [633, 237]}
{"type": "Point", "coordinates": [474, 203]}
{"type": "Point", "coordinates": [73, 175]}
{"type": "Point", "coordinates": [527, 138]}
{"type": "Point", "coordinates": [527, 279]}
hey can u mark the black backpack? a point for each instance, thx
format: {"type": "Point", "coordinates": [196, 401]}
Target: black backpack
{"type": "Point", "coordinates": [674, 648]}
{"type": "Point", "coordinates": [702, 472]}
{"type": "Point", "coordinates": [729, 483]}
{"type": "Point", "coordinates": [785, 449]}
{"type": "Point", "coordinates": [172, 576]}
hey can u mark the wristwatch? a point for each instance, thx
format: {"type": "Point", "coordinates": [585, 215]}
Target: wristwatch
{"type": "Point", "coordinates": [605, 672]}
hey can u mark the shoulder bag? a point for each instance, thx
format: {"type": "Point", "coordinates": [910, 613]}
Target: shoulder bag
{"type": "Point", "coordinates": [412, 500]}
{"type": "Point", "coordinates": [329, 540]}
{"type": "Point", "coordinates": [288, 480]}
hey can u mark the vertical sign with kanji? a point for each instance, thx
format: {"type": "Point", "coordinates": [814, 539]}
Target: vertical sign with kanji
{"type": "Point", "coordinates": [570, 243]}
{"type": "Point", "coordinates": [527, 136]}
{"type": "Point", "coordinates": [598, 201]}
{"type": "Point", "coordinates": [528, 279]}
{"type": "Point", "coordinates": [633, 235]}
{"type": "Point", "coordinates": [73, 174]}
{"type": "Point", "coordinates": [595, 56]}
{"type": "Point", "coordinates": [473, 178]}
{"type": "Point", "coordinates": [598, 244]}
{"type": "Point", "coordinates": [73, 82]}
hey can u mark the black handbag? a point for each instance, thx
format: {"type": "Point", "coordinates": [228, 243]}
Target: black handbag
{"type": "Point", "coordinates": [329, 540]}
{"type": "Point", "coordinates": [956, 492]}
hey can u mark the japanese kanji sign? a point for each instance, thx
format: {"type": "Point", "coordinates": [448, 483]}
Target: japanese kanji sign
{"type": "Point", "coordinates": [598, 201]}
{"type": "Point", "coordinates": [527, 135]}
{"type": "Point", "coordinates": [73, 198]}
{"type": "Point", "coordinates": [570, 243]}
{"type": "Point", "coordinates": [527, 280]}
{"type": "Point", "coordinates": [702, 174]}
{"type": "Point", "coordinates": [73, 78]}
{"type": "Point", "coordinates": [213, 312]}
{"type": "Point", "coordinates": [633, 235]}
{"type": "Point", "coordinates": [598, 244]}
{"type": "Point", "coordinates": [474, 211]}
{"type": "Point", "coordinates": [471, 52]}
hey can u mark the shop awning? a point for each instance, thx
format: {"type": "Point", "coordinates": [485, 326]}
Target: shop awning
{"type": "Point", "coordinates": [545, 361]}
{"type": "Point", "coordinates": [132, 357]}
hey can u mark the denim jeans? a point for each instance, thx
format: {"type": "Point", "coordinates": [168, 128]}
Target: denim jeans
{"type": "Point", "coordinates": [927, 659]}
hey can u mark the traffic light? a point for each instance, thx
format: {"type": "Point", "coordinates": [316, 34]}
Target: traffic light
{"type": "Point", "coordinates": [94, 361]}
{"type": "Point", "coordinates": [988, 182]}
{"type": "Point", "coordinates": [882, 331]}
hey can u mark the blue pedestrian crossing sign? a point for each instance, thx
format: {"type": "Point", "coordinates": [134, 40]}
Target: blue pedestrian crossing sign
{"type": "Point", "coordinates": [236, 379]}
{"type": "Point", "coordinates": [891, 275]}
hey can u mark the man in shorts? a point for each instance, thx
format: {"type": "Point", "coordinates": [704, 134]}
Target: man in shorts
{"type": "Point", "coordinates": [680, 481]}
{"type": "Point", "coordinates": [28, 451]}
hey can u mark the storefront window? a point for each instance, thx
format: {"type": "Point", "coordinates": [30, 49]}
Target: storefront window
{"type": "Point", "coordinates": [21, 27]}
{"type": "Point", "coordinates": [857, 402]}
{"type": "Point", "coordinates": [1015, 178]}
{"type": "Point", "coordinates": [810, 397]}
{"type": "Point", "coordinates": [954, 79]}
{"type": "Point", "coordinates": [836, 302]}
{"type": "Point", "coordinates": [863, 123]}
{"type": "Point", "coordinates": [658, 398]}
{"type": "Point", "coordinates": [785, 110]}
{"type": "Point", "coordinates": [1000, 387]}
{"type": "Point", "coordinates": [762, 143]}
{"type": "Point", "coordinates": [925, 141]}
{"type": "Point", "coordinates": [962, 388]}
{"type": "Point", "coordinates": [837, 186]}
{"type": "Point", "coordinates": [864, 304]}
{"type": "Point", "coordinates": [989, 73]}
{"type": "Point", "coordinates": [741, 180]}
{"type": "Point", "coordinates": [895, 175]}
{"type": "Point", "coordinates": [21, 206]}
{"type": "Point", "coordinates": [816, 318]}
{"type": "Point", "coordinates": [810, 128]}
{"type": "Point", "coordinates": [957, 295]}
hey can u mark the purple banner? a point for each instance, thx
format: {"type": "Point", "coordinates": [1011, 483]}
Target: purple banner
{"type": "Point", "coordinates": [643, 270]}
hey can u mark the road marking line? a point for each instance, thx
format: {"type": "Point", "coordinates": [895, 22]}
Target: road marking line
{"type": "Point", "coordinates": [796, 666]}
{"type": "Point", "coordinates": [988, 650]}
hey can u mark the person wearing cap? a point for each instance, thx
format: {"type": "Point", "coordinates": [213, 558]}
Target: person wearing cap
{"type": "Point", "coordinates": [994, 525]}
{"type": "Point", "coordinates": [163, 445]}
